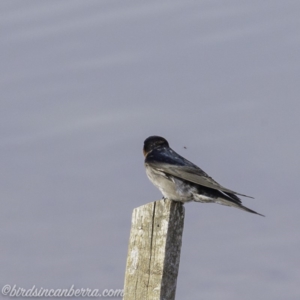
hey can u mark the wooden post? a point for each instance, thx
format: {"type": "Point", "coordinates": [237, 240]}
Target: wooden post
{"type": "Point", "coordinates": [154, 251]}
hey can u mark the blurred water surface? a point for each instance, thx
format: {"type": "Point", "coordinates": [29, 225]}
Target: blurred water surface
{"type": "Point", "coordinates": [83, 83]}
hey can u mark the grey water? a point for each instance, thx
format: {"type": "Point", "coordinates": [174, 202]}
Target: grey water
{"type": "Point", "coordinates": [84, 83]}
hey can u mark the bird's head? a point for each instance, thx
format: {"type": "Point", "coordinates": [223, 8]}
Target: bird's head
{"type": "Point", "coordinates": [153, 142]}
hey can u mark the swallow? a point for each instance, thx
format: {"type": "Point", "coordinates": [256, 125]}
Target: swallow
{"type": "Point", "coordinates": [180, 180]}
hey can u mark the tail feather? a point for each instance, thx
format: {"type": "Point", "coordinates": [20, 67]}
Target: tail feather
{"type": "Point", "coordinates": [226, 202]}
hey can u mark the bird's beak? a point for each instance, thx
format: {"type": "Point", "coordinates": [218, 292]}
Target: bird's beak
{"type": "Point", "coordinates": [145, 153]}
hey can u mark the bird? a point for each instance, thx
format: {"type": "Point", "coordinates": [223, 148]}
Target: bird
{"type": "Point", "coordinates": [178, 179]}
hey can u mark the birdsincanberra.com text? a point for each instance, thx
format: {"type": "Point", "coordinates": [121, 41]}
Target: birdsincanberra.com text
{"type": "Point", "coordinates": [15, 291]}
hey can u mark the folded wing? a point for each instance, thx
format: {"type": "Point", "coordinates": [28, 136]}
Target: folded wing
{"type": "Point", "coordinates": [192, 174]}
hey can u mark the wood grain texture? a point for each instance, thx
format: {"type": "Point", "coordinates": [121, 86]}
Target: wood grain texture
{"type": "Point", "coordinates": [154, 251]}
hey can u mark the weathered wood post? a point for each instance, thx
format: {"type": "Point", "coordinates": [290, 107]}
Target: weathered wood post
{"type": "Point", "coordinates": [154, 251]}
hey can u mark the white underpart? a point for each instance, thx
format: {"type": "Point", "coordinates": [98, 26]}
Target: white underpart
{"type": "Point", "coordinates": [202, 198]}
{"type": "Point", "coordinates": [174, 188]}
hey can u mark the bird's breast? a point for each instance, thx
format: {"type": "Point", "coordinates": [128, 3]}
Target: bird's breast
{"type": "Point", "coordinates": [171, 188]}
